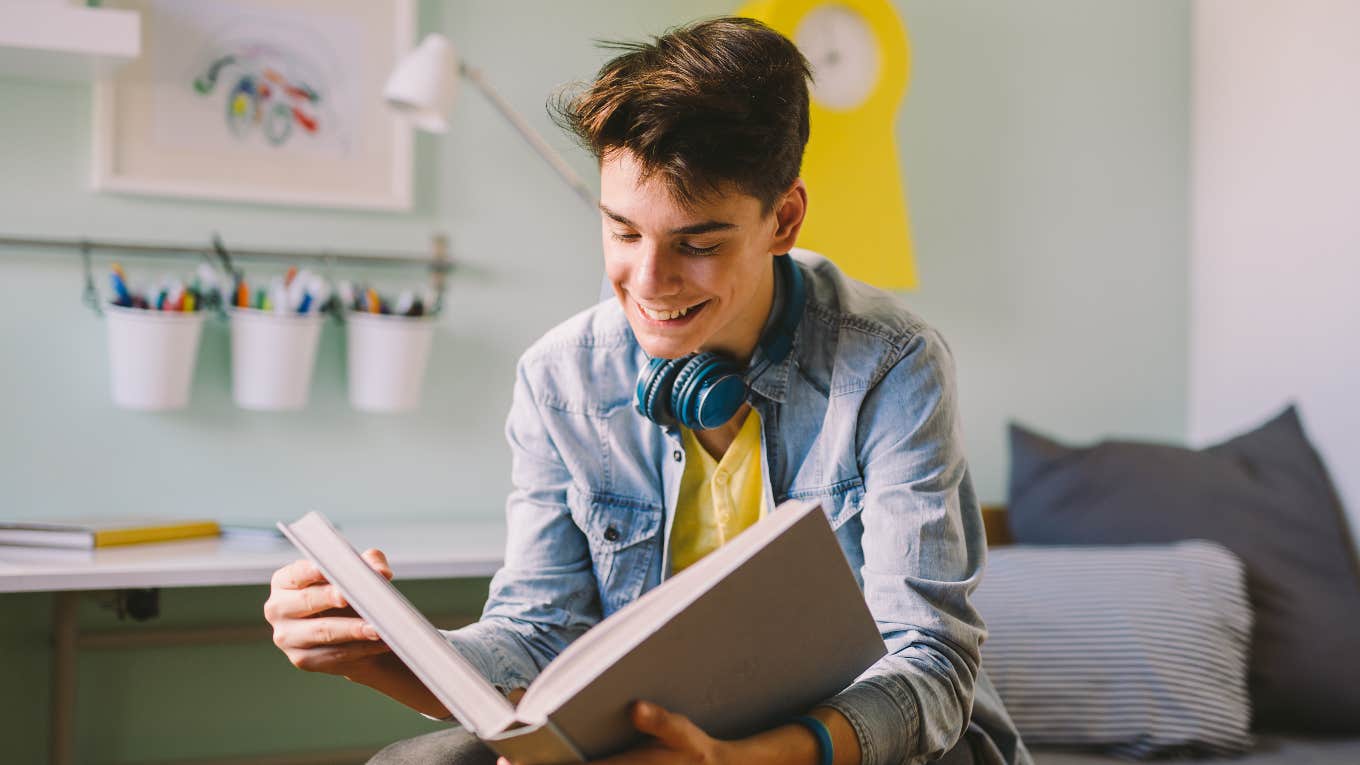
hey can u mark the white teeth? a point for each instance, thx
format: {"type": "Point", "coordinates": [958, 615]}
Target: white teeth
{"type": "Point", "coordinates": [664, 315]}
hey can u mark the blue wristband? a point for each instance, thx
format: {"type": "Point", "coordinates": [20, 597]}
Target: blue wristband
{"type": "Point", "coordinates": [823, 736]}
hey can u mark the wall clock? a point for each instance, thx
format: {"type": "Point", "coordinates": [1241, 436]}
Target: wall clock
{"type": "Point", "coordinates": [857, 210]}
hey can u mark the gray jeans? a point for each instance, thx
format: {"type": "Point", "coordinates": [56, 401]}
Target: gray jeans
{"type": "Point", "coordinates": [456, 746]}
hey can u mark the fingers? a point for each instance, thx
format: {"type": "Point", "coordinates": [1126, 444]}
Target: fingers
{"type": "Point", "coordinates": [322, 631]}
{"type": "Point", "coordinates": [298, 604]}
{"type": "Point", "coordinates": [328, 658]}
{"type": "Point", "coordinates": [296, 575]}
{"type": "Point", "coordinates": [673, 730]}
{"type": "Point", "coordinates": [378, 561]}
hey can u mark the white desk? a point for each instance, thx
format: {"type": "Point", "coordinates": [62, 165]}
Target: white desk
{"type": "Point", "coordinates": [414, 551]}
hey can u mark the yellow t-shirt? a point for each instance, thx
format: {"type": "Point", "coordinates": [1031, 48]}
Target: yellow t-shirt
{"type": "Point", "coordinates": [718, 499]}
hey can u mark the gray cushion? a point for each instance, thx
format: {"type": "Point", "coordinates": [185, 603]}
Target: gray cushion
{"type": "Point", "coordinates": [1267, 751]}
{"type": "Point", "coordinates": [1138, 651]}
{"type": "Point", "coordinates": [1266, 496]}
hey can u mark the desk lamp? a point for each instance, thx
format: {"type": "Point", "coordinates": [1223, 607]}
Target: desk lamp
{"type": "Point", "coordinates": [422, 88]}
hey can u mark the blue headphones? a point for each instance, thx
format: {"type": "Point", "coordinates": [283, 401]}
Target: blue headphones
{"type": "Point", "coordinates": [703, 390]}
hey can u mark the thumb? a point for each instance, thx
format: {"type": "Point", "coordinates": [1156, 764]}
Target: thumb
{"type": "Point", "coordinates": [673, 730]}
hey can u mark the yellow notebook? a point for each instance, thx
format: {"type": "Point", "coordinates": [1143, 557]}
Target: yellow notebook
{"type": "Point", "coordinates": [104, 532]}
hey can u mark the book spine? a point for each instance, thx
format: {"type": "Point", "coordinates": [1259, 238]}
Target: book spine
{"type": "Point", "coordinates": [541, 744]}
{"type": "Point", "coordinates": [113, 537]}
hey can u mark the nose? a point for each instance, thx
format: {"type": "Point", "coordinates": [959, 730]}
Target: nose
{"type": "Point", "coordinates": [654, 273]}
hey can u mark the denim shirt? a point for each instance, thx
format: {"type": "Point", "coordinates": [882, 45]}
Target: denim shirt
{"type": "Point", "coordinates": [861, 416]}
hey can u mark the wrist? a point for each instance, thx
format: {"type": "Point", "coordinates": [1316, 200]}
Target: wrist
{"type": "Point", "coordinates": [789, 744]}
{"type": "Point", "coordinates": [826, 752]}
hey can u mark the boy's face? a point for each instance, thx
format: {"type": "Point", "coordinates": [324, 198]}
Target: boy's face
{"type": "Point", "coordinates": [711, 263]}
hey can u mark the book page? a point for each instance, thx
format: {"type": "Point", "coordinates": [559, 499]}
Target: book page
{"type": "Point", "coordinates": [609, 640]}
{"type": "Point", "coordinates": [455, 682]}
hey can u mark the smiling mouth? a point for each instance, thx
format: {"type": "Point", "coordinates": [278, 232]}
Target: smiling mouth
{"type": "Point", "coordinates": [669, 317]}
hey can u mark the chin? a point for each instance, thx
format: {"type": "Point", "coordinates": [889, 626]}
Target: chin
{"type": "Point", "coordinates": [662, 349]}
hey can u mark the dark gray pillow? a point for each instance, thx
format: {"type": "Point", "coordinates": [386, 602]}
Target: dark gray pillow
{"type": "Point", "coordinates": [1139, 650]}
{"type": "Point", "coordinates": [1266, 496]}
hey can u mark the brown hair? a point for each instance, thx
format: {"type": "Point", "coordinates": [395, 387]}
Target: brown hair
{"type": "Point", "coordinates": [712, 104]}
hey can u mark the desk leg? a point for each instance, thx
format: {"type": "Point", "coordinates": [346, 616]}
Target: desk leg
{"type": "Point", "coordinates": [65, 609]}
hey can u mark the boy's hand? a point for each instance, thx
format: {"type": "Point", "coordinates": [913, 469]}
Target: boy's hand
{"type": "Point", "coordinates": [675, 740]}
{"type": "Point", "coordinates": [314, 626]}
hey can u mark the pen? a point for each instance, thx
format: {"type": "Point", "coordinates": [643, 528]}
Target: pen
{"type": "Point", "coordinates": [278, 296]}
{"type": "Point", "coordinates": [120, 290]}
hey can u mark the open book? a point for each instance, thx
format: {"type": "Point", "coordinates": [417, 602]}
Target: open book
{"type": "Point", "coordinates": [757, 631]}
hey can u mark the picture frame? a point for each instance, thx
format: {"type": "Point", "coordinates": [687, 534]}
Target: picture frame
{"type": "Point", "coordinates": [264, 101]}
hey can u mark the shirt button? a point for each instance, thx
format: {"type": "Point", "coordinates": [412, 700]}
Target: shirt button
{"type": "Point", "coordinates": [611, 534]}
{"type": "Point", "coordinates": [677, 456]}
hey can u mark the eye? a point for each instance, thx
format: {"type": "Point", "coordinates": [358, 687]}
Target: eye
{"type": "Point", "coordinates": [692, 250]}
{"type": "Point", "coordinates": [625, 237]}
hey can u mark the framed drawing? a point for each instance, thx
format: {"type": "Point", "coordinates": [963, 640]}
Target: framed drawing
{"type": "Point", "coordinates": [274, 101]}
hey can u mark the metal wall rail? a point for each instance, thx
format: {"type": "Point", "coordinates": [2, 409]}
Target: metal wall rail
{"type": "Point", "coordinates": [437, 262]}
{"type": "Point", "coordinates": [437, 259]}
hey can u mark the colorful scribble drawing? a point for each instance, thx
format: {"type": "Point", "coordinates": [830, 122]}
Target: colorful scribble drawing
{"type": "Point", "coordinates": [262, 97]}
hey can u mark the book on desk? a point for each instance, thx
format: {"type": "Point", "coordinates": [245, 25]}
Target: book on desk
{"type": "Point", "coordinates": [91, 533]}
{"type": "Point", "coordinates": [759, 630]}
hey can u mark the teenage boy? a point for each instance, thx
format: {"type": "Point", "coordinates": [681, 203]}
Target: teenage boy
{"type": "Point", "coordinates": [632, 459]}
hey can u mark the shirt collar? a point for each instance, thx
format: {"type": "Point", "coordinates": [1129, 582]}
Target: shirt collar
{"type": "Point", "coordinates": [773, 383]}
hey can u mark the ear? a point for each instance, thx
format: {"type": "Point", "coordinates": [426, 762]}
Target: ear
{"type": "Point", "coordinates": [789, 213]}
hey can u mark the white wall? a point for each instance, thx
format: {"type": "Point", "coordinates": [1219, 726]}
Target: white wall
{"type": "Point", "coordinates": [1275, 244]}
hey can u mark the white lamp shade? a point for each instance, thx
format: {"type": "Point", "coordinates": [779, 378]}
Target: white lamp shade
{"type": "Point", "coordinates": [424, 83]}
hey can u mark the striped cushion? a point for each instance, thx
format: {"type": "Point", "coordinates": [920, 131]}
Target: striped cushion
{"type": "Point", "coordinates": [1135, 650]}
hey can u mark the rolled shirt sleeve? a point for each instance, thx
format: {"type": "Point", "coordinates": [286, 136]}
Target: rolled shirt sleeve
{"type": "Point", "coordinates": [924, 551]}
{"type": "Point", "coordinates": [545, 596]}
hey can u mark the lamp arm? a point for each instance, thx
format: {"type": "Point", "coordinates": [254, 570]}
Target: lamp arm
{"type": "Point", "coordinates": [533, 138]}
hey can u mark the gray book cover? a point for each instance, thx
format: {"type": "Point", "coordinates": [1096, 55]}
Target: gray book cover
{"type": "Point", "coordinates": [756, 632]}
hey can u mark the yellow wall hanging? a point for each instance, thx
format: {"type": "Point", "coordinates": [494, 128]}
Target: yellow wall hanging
{"type": "Point", "coordinates": [857, 206]}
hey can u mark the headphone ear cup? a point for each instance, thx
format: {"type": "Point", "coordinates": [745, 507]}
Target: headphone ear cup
{"type": "Point", "coordinates": [652, 397]}
{"type": "Point", "coordinates": [707, 391]}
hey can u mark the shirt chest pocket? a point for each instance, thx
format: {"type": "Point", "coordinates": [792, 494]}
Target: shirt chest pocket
{"type": "Point", "coordinates": [840, 501]}
{"type": "Point", "coordinates": [623, 534]}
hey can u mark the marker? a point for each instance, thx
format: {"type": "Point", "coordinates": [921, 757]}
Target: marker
{"type": "Point", "coordinates": [374, 302]}
{"type": "Point", "coordinates": [348, 299]}
{"type": "Point", "coordinates": [174, 298]}
{"type": "Point", "coordinates": [404, 302]}
{"type": "Point", "coordinates": [292, 273]}
{"type": "Point", "coordinates": [320, 290]}
{"type": "Point", "coordinates": [190, 300]}
{"type": "Point", "coordinates": [301, 283]}
{"type": "Point", "coordinates": [262, 298]}
{"type": "Point", "coordinates": [121, 295]}
{"type": "Point", "coordinates": [306, 302]}
{"type": "Point", "coordinates": [242, 294]}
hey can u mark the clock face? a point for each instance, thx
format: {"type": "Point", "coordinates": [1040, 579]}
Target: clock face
{"type": "Point", "coordinates": [844, 55]}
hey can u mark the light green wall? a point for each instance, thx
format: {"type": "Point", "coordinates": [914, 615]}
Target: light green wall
{"type": "Point", "coordinates": [1045, 148]}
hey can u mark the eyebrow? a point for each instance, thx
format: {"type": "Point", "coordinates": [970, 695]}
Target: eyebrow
{"type": "Point", "coordinates": [693, 228]}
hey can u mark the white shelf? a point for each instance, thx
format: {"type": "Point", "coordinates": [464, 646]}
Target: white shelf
{"type": "Point", "coordinates": [56, 41]}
